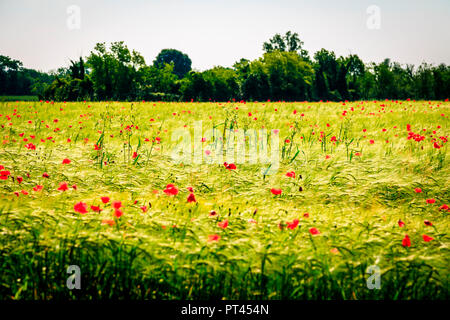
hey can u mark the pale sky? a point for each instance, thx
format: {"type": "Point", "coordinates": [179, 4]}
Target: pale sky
{"type": "Point", "coordinates": [217, 32]}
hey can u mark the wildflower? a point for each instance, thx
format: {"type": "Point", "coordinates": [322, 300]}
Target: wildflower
{"type": "Point", "coordinates": [401, 223]}
{"type": "Point", "coordinates": [276, 191]}
{"type": "Point", "coordinates": [213, 237]}
{"type": "Point", "coordinates": [96, 208]}
{"type": "Point", "coordinates": [290, 174]}
{"type": "Point", "coordinates": [223, 224]}
{"type": "Point", "coordinates": [314, 231]}
{"type": "Point", "coordinates": [4, 174]}
{"type": "Point", "coordinates": [118, 213]}
{"type": "Point", "coordinates": [191, 198]}
{"type": "Point", "coordinates": [427, 238]}
{"type": "Point", "coordinates": [406, 242]}
{"type": "Point", "coordinates": [171, 190]}
{"type": "Point", "coordinates": [334, 251]}
{"type": "Point", "coordinates": [63, 186]}
{"type": "Point", "coordinates": [105, 199]}
{"type": "Point", "coordinates": [431, 201]}
{"type": "Point", "coordinates": [292, 225]}
{"type": "Point", "coordinates": [230, 166]}
{"type": "Point", "coordinates": [117, 205]}
{"type": "Point", "coordinates": [66, 161]}
{"type": "Point", "coordinates": [80, 207]}
{"type": "Point", "coordinates": [418, 190]}
{"type": "Point", "coordinates": [108, 222]}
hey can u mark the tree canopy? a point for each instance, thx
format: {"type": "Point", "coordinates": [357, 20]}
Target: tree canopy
{"type": "Point", "coordinates": [284, 72]}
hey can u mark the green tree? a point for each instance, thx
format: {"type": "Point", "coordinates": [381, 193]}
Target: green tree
{"type": "Point", "coordinates": [181, 61]}
{"type": "Point", "coordinates": [290, 42]}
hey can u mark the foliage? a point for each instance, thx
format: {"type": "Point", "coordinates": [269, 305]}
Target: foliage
{"type": "Point", "coordinates": [181, 62]}
{"type": "Point", "coordinates": [284, 72]}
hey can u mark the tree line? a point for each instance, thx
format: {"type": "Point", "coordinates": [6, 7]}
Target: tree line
{"type": "Point", "coordinates": [285, 72]}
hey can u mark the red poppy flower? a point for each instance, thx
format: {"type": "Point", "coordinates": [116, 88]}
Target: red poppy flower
{"type": "Point", "coordinates": [135, 155]}
{"type": "Point", "coordinates": [66, 161]}
{"type": "Point", "coordinates": [108, 221]}
{"type": "Point", "coordinates": [96, 208]}
{"type": "Point", "coordinates": [105, 199]}
{"type": "Point", "coordinates": [212, 213]}
{"type": "Point", "coordinates": [418, 190]}
{"type": "Point", "coordinates": [190, 189]}
{"type": "Point", "coordinates": [230, 166]}
{"type": "Point", "coordinates": [80, 207]}
{"type": "Point", "coordinates": [276, 191]}
{"type": "Point", "coordinates": [213, 237]}
{"type": "Point", "coordinates": [24, 192]}
{"type": "Point", "coordinates": [4, 174]}
{"type": "Point", "coordinates": [118, 213]}
{"type": "Point", "coordinates": [427, 238]}
{"type": "Point", "coordinates": [431, 201]}
{"type": "Point", "coordinates": [406, 242]}
{"type": "Point", "coordinates": [314, 231]}
{"type": "Point", "coordinates": [306, 215]}
{"type": "Point", "coordinates": [117, 204]}
{"type": "Point", "coordinates": [371, 141]}
{"type": "Point", "coordinates": [63, 186]}
{"type": "Point", "coordinates": [444, 207]}
{"type": "Point", "coordinates": [428, 223]}
{"type": "Point", "coordinates": [171, 190]}
{"type": "Point", "coordinates": [223, 224]}
{"type": "Point", "coordinates": [45, 175]}
{"type": "Point", "coordinates": [38, 188]}
{"type": "Point", "coordinates": [290, 174]}
{"type": "Point", "coordinates": [19, 179]}
{"type": "Point", "coordinates": [401, 223]}
{"type": "Point", "coordinates": [144, 209]}
{"type": "Point", "coordinates": [191, 198]}
{"type": "Point", "coordinates": [292, 225]}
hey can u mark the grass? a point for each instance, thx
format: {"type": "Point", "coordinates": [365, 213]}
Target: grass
{"type": "Point", "coordinates": [354, 192]}
{"type": "Point", "coordinates": [18, 98]}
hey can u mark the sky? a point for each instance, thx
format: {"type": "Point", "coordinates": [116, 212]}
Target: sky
{"type": "Point", "coordinates": [46, 34]}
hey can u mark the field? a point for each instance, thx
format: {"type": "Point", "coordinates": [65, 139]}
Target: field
{"type": "Point", "coordinates": [360, 187]}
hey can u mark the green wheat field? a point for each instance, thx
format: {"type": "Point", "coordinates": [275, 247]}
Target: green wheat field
{"type": "Point", "coordinates": [93, 184]}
